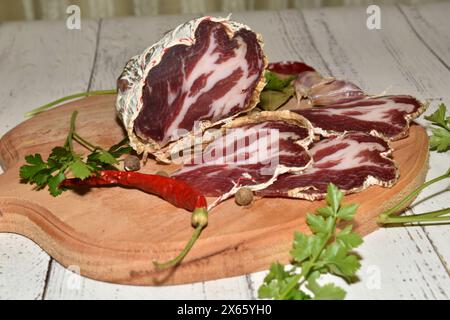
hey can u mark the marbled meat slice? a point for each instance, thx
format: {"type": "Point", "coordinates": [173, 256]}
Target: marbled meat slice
{"type": "Point", "coordinates": [387, 116]}
{"type": "Point", "coordinates": [353, 162]}
{"type": "Point", "coordinates": [252, 152]}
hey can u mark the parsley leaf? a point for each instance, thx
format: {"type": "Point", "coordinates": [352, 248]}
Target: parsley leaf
{"type": "Point", "coordinates": [276, 82]}
{"type": "Point", "coordinates": [80, 169]}
{"type": "Point", "coordinates": [326, 250]}
{"type": "Point", "coordinates": [54, 182]}
{"type": "Point", "coordinates": [35, 165]}
{"type": "Point", "coordinates": [326, 292]}
{"type": "Point", "coordinates": [440, 138]}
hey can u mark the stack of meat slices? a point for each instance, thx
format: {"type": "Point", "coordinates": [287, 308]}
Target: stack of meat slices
{"type": "Point", "coordinates": [251, 151]}
{"type": "Point", "coordinates": [351, 149]}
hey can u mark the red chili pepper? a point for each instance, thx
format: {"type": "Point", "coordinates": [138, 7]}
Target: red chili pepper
{"type": "Point", "coordinates": [177, 192]}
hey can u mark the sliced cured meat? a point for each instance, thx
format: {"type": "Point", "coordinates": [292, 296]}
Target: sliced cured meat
{"type": "Point", "coordinates": [289, 67]}
{"type": "Point", "coordinates": [353, 162]}
{"type": "Point", "coordinates": [252, 152]}
{"type": "Point", "coordinates": [387, 116]}
{"type": "Point", "coordinates": [320, 91]}
{"type": "Point", "coordinates": [203, 73]}
{"type": "Point", "coordinates": [312, 89]}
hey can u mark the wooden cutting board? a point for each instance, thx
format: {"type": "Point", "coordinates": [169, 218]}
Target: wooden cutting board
{"type": "Point", "coordinates": [113, 234]}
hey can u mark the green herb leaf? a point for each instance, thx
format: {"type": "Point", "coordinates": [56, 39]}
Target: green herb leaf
{"type": "Point", "coordinates": [440, 138]}
{"type": "Point", "coordinates": [276, 282]}
{"type": "Point", "coordinates": [27, 172]}
{"type": "Point", "coordinates": [277, 92]}
{"type": "Point", "coordinates": [54, 182]}
{"type": "Point", "coordinates": [272, 100]}
{"type": "Point", "coordinates": [316, 223]}
{"type": "Point", "coordinates": [106, 157]}
{"type": "Point", "coordinates": [348, 238]}
{"type": "Point", "coordinates": [326, 292]}
{"type": "Point", "coordinates": [301, 248]}
{"type": "Point", "coordinates": [120, 148]}
{"type": "Point", "coordinates": [438, 117]}
{"type": "Point", "coordinates": [338, 261]}
{"type": "Point", "coordinates": [334, 197]}
{"type": "Point", "coordinates": [277, 82]}
{"type": "Point", "coordinates": [80, 169]}
{"type": "Point", "coordinates": [325, 211]}
{"type": "Point", "coordinates": [347, 212]}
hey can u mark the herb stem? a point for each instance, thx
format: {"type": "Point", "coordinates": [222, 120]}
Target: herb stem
{"type": "Point", "coordinates": [69, 138]}
{"type": "Point", "coordinates": [434, 216]}
{"type": "Point", "coordinates": [85, 143]}
{"type": "Point", "coordinates": [410, 196]}
{"type": "Point", "coordinates": [67, 98]}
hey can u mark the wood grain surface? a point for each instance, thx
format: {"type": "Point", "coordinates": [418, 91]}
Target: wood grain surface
{"type": "Point", "coordinates": [113, 234]}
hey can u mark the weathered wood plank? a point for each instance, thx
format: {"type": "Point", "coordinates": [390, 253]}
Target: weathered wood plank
{"type": "Point", "coordinates": [122, 38]}
{"type": "Point", "coordinates": [39, 62]}
{"type": "Point", "coordinates": [23, 268]}
{"type": "Point", "coordinates": [431, 24]}
{"type": "Point", "coordinates": [65, 284]}
{"type": "Point", "coordinates": [390, 59]}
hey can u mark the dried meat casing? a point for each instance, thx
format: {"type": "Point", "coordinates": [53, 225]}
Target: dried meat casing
{"type": "Point", "coordinates": [203, 73]}
{"type": "Point", "coordinates": [353, 162]}
{"type": "Point", "coordinates": [248, 163]}
{"type": "Point", "coordinates": [387, 116]}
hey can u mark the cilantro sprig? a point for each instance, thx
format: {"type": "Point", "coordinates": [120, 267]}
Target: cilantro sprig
{"type": "Point", "coordinates": [440, 138]}
{"type": "Point", "coordinates": [326, 250]}
{"type": "Point", "coordinates": [64, 160]}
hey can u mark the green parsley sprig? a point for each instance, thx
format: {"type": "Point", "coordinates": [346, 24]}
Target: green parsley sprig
{"type": "Point", "coordinates": [64, 160]}
{"type": "Point", "coordinates": [327, 250]}
{"type": "Point", "coordinates": [440, 138]}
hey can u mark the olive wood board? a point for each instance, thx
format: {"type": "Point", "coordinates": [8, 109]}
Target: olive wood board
{"type": "Point", "coordinates": [113, 234]}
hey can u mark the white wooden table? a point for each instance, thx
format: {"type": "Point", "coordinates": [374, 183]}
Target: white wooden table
{"type": "Point", "coordinates": [41, 61]}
